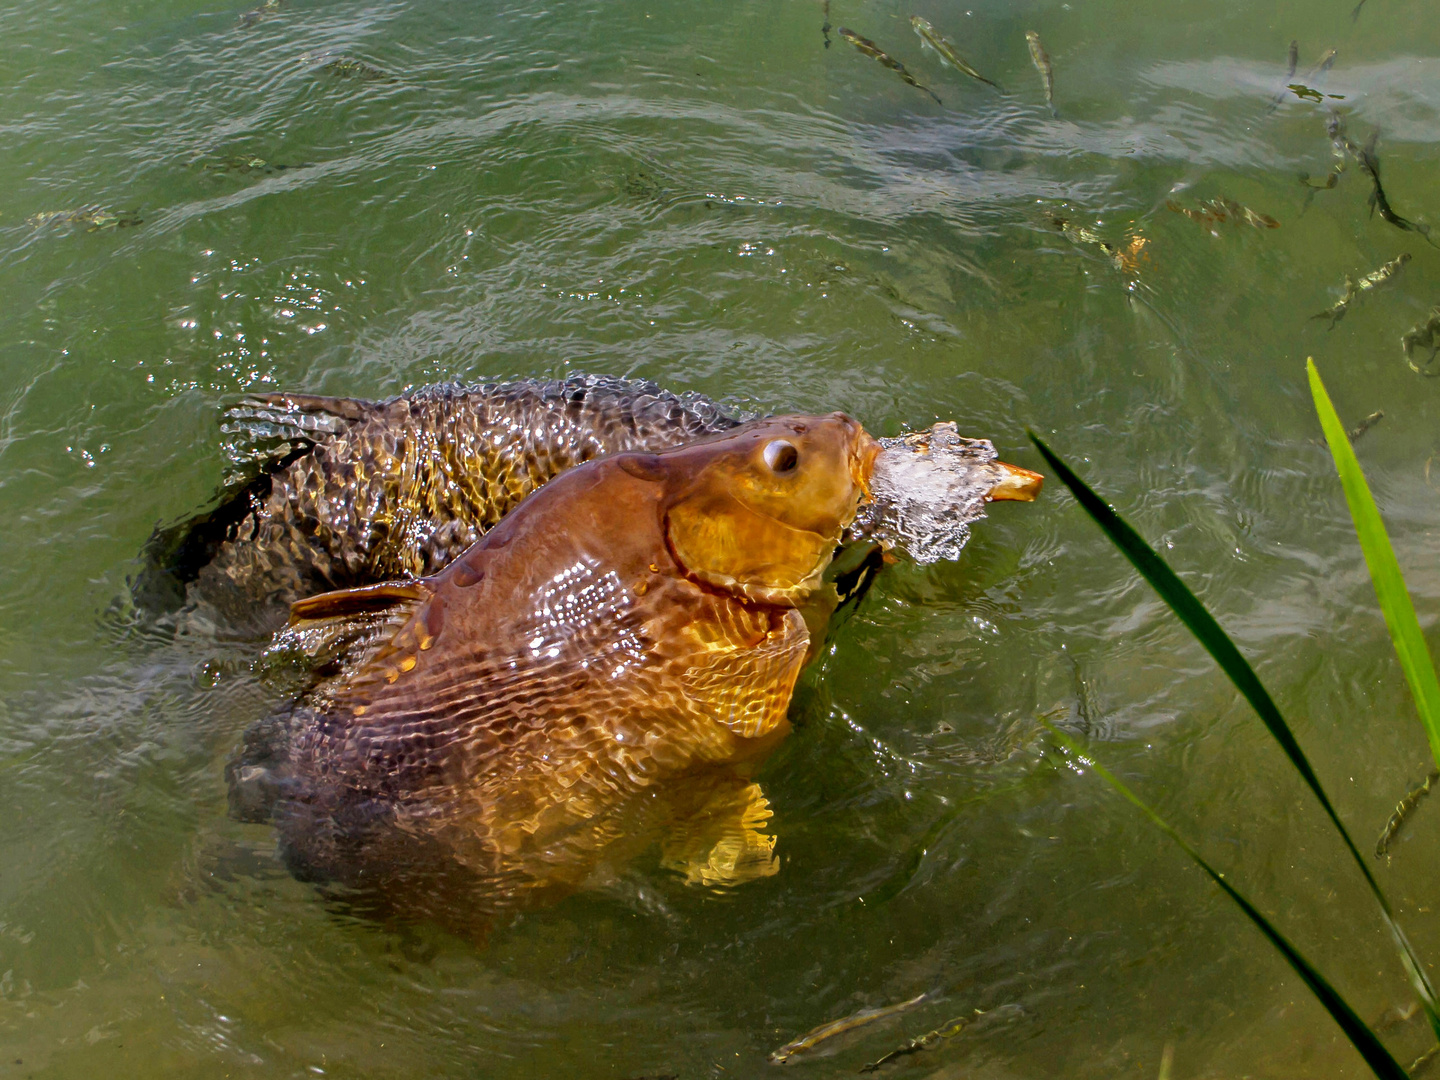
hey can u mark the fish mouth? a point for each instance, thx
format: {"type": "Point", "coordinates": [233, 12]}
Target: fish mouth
{"type": "Point", "coordinates": [1015, 484]}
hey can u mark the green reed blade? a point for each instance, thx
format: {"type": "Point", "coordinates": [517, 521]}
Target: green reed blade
{"type": "Point", "coordinates": [1218, 644]}
{"type": "Point", "coordinates": [1363, 1039]}
{"type": "Point", "coordinates": [1385, 574]}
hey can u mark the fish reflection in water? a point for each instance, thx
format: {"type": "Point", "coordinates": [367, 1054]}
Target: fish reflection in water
{"type": "Point", "coordinates": [870, 49]}
{"type": "Point", "coordinates": [813, 1038]}
{"type": "Point", "coordinates": [1354, 289]}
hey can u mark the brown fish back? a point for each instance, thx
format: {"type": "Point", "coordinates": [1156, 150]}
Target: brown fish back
{"type": "Point", "coordinates": [339, 492]}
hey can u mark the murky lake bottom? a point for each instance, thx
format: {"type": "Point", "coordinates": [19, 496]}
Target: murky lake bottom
{"type": "Point", "coordinates": [728, 200]}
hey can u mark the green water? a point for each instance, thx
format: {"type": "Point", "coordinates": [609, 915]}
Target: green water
{"type": "Point", "coordinates": [706, 195]}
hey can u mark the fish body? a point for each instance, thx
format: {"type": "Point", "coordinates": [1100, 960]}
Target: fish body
{"type": "Point", "coordinates": [338, 493]}
{"type": "Point", "coordinates": [347, 68]}
{"type": "Point", "coordinates": [341, 492]}
{"type": "Point", "coordinates": [1369, 283]}
{"type": "Point", "coordinates": [1041, 59]}
{"type": "Point", "coordinates": [1221, 209]}
{"type": "Point", "coordinates": [1324, 64]}
{"type": "Point", "coordinates": [870, 49]}
{"type": "Point", "coordinates": [1424, 336]}
{"type": "Point", "coordinates": [94, 218]}
{"type": "Point", "coordinates": [864, 1017]}
{"type": "Point", "coordinates": [932, 37]}
{"type": "Point", "coordinates": [627, 639]}
{"type": "Point", "coordinates": [255, 15]}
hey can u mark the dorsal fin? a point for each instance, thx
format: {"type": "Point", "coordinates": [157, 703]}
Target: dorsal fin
{"type": "Point", "coordinates": [367, 599]}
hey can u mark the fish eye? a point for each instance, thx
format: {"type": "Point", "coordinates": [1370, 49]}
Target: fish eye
{"type": "Point", "coordinates": [781, 456]}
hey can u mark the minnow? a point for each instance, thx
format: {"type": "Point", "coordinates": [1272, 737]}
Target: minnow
{"type": "Point", "coordinates": [92, 217]}
{"type": "Point", "coordinates": [254, 15]}
{"type": "Point", "coordinates": [1426, 335]}
{"type": "Point", "coordinates": [1370, 166]}
{"type": "Point", "coordinates": [1365, 425]}
{"type": "Point", "coordinates": [870, 49]}
{"type": "Point", "coordinates": [1293, 61]}
{"type": "Point", "coordinates": [932, 37]}
{"type": "Point", "coordinates": [1402, 814]}
{"type": "Point", "coordinates": [347, 68]}
{"type": "Point", "coordinates": [1221, 209]}
{"type": "Point", "coordinates": [1324, 64]}
{"type": "Point", "coordinates": [825, 26]}
{"type": "Point", "coordinates": [947, 1030]}
{"type": "Point", "coordinates": [811, 1039]}
{"type": "Point", "coordinates": [1368, 283]}
{"type": "Point", "coordinates": [1041, 60]}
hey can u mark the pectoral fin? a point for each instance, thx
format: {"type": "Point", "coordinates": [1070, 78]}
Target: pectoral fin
{"type": "Point", "coordinates": [724, 842]}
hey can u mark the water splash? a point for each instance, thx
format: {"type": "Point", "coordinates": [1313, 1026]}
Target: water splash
{"type": "Point", "coordinates": [928, 487]}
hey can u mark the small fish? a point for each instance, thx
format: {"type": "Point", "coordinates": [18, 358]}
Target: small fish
{"type": "Point", "coordinates": [1221, 209]}
{"type": "Point", "coordinates": [242, 163]}
{"type": "Point", "coordinates": [93, 218]}
{"type": "Point", "coordinates": [1402, 813]}
{"type": "Point", "coordinates": [870, 49]}
{"type": "Point", "coordinates": [1369, 164]}
{"type": "Point", "coordinates": [1368, 283]}
{"type": "Point", "coordinates": [1427, 336]}
{"type": "Point", "coordinates": [813, 1038]}
{"type": "Point", "coordinates": [1355, 17]}
{"type": "Point", "coordinates": [1126, 258]}
{"type": "Point", "coordinates": [1365, 425]}
{"type": "Point", "coordinates": [1292, 61]}
{"type": "Point", "coordinates": [1041, 59]}
{"type": "Point", "coordinates": [932, 37]}
{"type": "Point", "coordinates": [347, 68]}
{"type": "Point", "coordinates": [825, 26]}
{"type": "Point", "coordinates": [254, 15]}
{"type": "Point", "coordinates": [1324, 64]}
{"type": "Point", "coordinates": [947, 1030]}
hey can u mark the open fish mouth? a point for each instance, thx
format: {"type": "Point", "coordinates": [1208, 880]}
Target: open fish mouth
{"type": "Point", "coordinates": [928, 487]}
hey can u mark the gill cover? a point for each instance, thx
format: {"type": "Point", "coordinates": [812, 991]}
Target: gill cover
{"type": "Point", "coordinates": [764, 510]}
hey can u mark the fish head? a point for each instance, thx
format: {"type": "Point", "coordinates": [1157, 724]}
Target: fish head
{"type": "Point", "coordinates": [759, 511]}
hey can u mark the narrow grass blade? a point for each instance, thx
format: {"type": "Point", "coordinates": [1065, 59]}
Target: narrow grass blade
{"type": "Point", "coordinates": [1363, 1039]}
{"type": "Point", "coordinates": [1385, 574]}
{"type": "Point", "coordinates": [1218, 644]}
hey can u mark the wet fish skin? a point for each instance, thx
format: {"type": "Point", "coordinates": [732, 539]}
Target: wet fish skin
{"type": "Point", "coordinates": [870, 49]}
{"type": "Point", "coordinates": [813, 1038]}
{"type": "Point", "coordinates": [932, 37]}
{"type": "Point", "coordinates": [1041, 59]}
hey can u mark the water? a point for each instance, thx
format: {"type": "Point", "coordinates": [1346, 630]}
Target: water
{"type": "Point", "coordinates": [706, 196]}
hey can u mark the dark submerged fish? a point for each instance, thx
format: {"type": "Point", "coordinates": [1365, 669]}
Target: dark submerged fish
{"type": "Point", "coordinates": [347, 68]}
{"type": "Point", "coordinates": [1041, 59]}
{"type": "Point", "coordinates": [870, 49]}
{"type": "Point", "coordinates": [600, 671]}
{"type": "Point", "coordinates": [1369, 283]}
{"type": "Point", "coordinates": [340, 492]}
{"type": "Point", "coordinates": [863, 1018]}
{"type": "Point", "coordinates": [932, 37]}
{"type": "Point", "coordinates": [825, 25]}
{"type": "Point", "coordinates": [1370, 165]}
